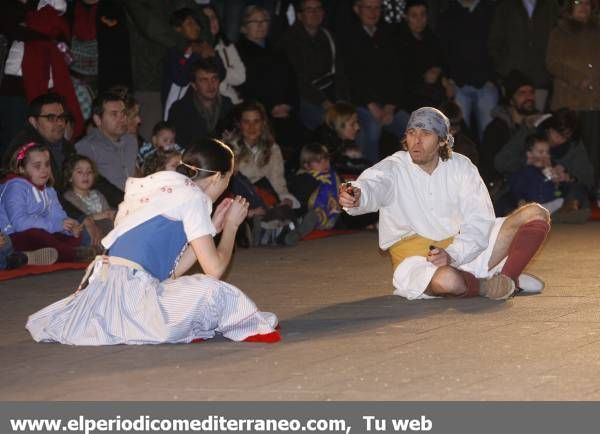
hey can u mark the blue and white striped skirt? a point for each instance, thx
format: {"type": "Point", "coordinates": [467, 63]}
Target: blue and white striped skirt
{"type": "Point", "coordinates": [129, 306]}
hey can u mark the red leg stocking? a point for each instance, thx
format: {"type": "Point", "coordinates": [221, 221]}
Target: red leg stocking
{"type": "Point", "coordinates": [523, 247]}
{"type": "Point", "coordinates": [472, 285]}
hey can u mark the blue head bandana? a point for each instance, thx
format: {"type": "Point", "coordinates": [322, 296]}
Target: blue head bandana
{"type": "Point", "coordinates": [431, 119]}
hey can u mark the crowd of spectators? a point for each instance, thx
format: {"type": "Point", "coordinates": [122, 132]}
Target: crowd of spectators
{"type": "Point", "coordinates": [308, 93]}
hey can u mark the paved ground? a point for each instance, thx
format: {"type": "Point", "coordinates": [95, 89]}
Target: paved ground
{"type": "Point", "coordinates": [345, 336]}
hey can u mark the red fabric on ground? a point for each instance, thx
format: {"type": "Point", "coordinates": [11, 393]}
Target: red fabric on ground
{"type": "Point", "coordinates": [316, 234]}
{"type": "Point", "coordinates": [269, 338]}
{"type": "Point", "coordinates": [595, 212]}
{"type": "Point", "coordinates": [30, 270]}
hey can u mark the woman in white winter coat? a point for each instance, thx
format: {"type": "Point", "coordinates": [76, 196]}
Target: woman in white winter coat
{"type": "Point", "coordinates": [236, 71]}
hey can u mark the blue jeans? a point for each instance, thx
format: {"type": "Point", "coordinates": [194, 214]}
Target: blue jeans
{"type": "Point", "coordinates": [480, 101]}
{"type": "Point", "coordinates": [5, 251]}
{"type": "Point", "coordinates": [370, 131]}
{"type": "Point", "coordinates": [311, 114]}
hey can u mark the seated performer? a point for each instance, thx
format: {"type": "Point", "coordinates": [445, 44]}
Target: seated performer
{"type": "Point", "coordinates": [135, 295]}
{"type": "Point", "coordinates": [436, 219]}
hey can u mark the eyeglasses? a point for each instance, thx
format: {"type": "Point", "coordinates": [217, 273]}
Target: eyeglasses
{"type": "Point", "coordinates": [582, 2]}
{"type": "Point", "coordinates": [371, 8]}
{"type": "Point", "coordinates": [315, 10]}
{"type": "Point", "coordinates": [258, 22]}
{"type": "Point", "coordinates": [196, 169]}
{"type": "Point", "coordinates": [55, 118]}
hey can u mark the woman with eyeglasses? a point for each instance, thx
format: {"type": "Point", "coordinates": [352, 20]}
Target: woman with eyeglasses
{"type": "Point", "coordinates": [574, 60]}
{"type": "Point", "coordinates": [136, 293]}
{"type": "Point", "coordinates": [269, 77]}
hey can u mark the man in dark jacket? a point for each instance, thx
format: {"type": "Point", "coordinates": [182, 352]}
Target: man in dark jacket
{"type": "Point", "coordinates": [374, 74]}
{"type": "Point", "coordinates": [424, 74]}
{"type": "Point", "coordinates": [566, 149]}
{"type": "Point", "coordinates": [312, 52]}
{"type": "Point", "coordinates": [519, 38]}
{"type": "Point", "coordinates": [203, 111]}
{"type": "Point", "coordinates": [463, 31]}
{"type": "Point", "coordinates": [515, 117]}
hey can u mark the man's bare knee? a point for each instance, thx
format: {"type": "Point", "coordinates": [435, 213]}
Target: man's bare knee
{"type": "Point", "coordinates": [531, 212]}
{"type": "Point", "coordinates": [525, 214]}
{"type": "Point", "coordinates": [447, 281]}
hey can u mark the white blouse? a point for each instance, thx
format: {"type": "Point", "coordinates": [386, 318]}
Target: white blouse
{"type": "Point", "coordinates": [236, 71]}
{"type": "Point", "coordinates": [451, 202]}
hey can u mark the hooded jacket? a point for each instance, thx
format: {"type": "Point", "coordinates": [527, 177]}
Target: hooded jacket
{"type": "Point", "coordinates": [28, 207]}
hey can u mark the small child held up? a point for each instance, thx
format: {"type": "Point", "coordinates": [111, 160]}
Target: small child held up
{"type": "Point", "coordinates": [80, 175]}
{"type": "Point", "coordinates": [34, 212]}
{"type": "Point", "coordinates": [316, 185]}
{"type": "Point", "coordinates": [536, 182]}
{"type": "Point", "coordinates": [163, 139]}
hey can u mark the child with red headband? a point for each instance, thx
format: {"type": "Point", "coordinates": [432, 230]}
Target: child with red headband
{"type": "Point", "coordinates": [34, 212]}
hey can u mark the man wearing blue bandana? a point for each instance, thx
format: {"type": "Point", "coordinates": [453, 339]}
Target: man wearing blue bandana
{"type": "Point", "coordinates": [437, 220]}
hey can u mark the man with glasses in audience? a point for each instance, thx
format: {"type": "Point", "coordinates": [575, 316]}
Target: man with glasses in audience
{"type": "Point", "coordinates": [46, 123]}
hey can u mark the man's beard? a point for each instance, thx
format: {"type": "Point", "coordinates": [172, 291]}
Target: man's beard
{"type": "Point", "coordinates": [526, 109]}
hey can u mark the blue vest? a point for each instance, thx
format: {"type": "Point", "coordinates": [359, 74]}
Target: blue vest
{"type": "Point", "coordinates": [154, 244]}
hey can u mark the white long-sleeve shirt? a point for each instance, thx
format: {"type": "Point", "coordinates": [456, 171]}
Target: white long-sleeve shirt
{"type": "Point", "coordinates": [236, 71]}
{"type": "Point", "coordinates": [451, 202]}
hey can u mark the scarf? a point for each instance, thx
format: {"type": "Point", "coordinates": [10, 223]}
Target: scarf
{"type": "Point", "coordinates": [431, 119]}
{"type": "Point", "coordinates": [149, 197]}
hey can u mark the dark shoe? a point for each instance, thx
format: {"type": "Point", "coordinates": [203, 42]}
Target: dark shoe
{"type": "Point", "coordinates": [306, 226]}
{"type": "Point", "coordinates": [45, 256]}
{"type": "Point", "coordinates": [16, 260]}
{"type": "Point", "coordinates": [288, 236]}
{"type": "Point", "coordinates": [308, 223]}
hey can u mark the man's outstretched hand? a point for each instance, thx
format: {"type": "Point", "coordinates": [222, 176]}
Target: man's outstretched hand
{"type": "Point", "coordinates": [349, 195]}
{"type": "Point", "coordinates": [439, 257]}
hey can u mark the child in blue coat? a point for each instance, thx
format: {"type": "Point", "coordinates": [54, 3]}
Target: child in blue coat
{"type": "Point", "coordinates": [36, 218]}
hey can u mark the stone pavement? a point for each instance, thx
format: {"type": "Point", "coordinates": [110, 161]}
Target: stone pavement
{"type": "Point", "coordinates": [345, 336]}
